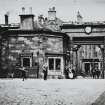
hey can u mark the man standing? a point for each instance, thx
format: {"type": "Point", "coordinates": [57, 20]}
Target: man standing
{"type": "Point", "coordinates": [45, 71]}
{"type": "Point", "coordinates": [23, 73]}
{"type": "Point", "coordinates": [66, 72]}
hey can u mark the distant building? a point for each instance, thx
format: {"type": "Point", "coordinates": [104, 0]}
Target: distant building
{"type": "Point", "coordinates": [51, 22]}
{"type": "Point", "coordinates": [87, 43]}
{"type": "Point", "coordinates": [30, 47]}
{"type": "Point", "coordinates": [79, 18]}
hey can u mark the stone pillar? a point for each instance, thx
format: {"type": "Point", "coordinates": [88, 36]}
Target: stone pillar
{"type": "Point", "coordinates": [0, 48]}
{"type": "Point", "coordinates": [76, 49]}
{"type": "Point", "coordinates": [71, 51]}
{"type": "Point", "coordinates": [103, 60]}
{"type": "Point", "coordinates": [102, 48]}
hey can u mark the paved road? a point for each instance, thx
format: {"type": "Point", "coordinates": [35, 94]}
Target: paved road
{"type": "Point", "coordinates": [50, 92]}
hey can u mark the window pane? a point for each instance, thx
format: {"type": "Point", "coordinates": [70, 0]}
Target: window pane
{"type": "Point", "coordinates": [58, 64]}
{"type": "Point", "coordinates": [26, 62]}
{"type": "Point", "coordinates": [51, 64]}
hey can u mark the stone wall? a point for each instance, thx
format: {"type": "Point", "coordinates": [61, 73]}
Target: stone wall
{"type": "Point", "coordinates": [35, 45]}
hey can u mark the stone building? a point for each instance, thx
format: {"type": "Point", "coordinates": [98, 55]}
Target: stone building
{"type": "Point", "coordinates": [31, 46]}
{"type": "Point", "coordinates": [33, 42]}
{"type": "Point", "coordinates": [87, 45]}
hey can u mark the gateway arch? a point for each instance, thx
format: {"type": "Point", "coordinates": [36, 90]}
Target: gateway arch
{"type": "Point", "coordinates": [86, 38]}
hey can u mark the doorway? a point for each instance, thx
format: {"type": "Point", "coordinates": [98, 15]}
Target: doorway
{"type": "Point", "coordinates": [87, 68]}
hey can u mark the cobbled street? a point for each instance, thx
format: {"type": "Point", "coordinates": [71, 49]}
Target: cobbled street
{"type": "Point", "coordinates": [50, 92]}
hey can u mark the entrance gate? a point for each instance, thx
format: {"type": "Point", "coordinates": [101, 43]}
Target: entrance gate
{"type": "Point", "coordinates": [86, 34]}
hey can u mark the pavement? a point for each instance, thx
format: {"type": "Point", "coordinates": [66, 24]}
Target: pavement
{"type": "Point", "coordinates": [52, 92]}
{"type": "Point", "coordinates": [100, 100]}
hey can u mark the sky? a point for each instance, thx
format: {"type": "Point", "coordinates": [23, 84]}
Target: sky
{"type": "Point", "coordinates": [91, 10]}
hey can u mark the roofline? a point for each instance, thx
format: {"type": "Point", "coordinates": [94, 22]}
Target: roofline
{"type": "Point", "coordinates": [26, 15]}
{"type": "Point", "coordinates": [14, 32]}
{"type": "Point", "coordinates": [72, 26]}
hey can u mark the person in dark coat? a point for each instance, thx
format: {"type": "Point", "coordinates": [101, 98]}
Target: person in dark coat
{"type": "Point", "coordinates": [98, 73]}
{"type": "Point", "coordinates": [23, 73]}
{"type": "Point", "coordinates": [45, 71]}
{"type": "Point", "coordinates": [66, 72]}
{"type": "Point", "coordinates": [74, 73]}
{"type": "Point", "coordinates": [93, 73]}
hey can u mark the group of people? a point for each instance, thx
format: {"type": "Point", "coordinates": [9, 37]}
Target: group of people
{"type": "Point", "coordinates": [24, 72]}
{"type": "Point", "coordinates": [70, 73]}
{"type": "Point", "coordinates": [95, 73]}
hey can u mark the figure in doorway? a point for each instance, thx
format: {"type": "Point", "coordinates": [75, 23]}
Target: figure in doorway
{"type": "Point", "coordinates": [97, 73]}
{"type": "Point", "coordinates": [93, 71]}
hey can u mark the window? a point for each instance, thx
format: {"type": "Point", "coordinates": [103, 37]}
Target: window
{"type": "Point", "coordinates": [54, 64]}
{"type": "Point", "coordinates": [51, 64]}
{"type": "Point", "coordinates": [26, 59]}
{"type": "Point", "coordinates": [58, 64]}
{"type": "Point", "coordinates": [26, 62]}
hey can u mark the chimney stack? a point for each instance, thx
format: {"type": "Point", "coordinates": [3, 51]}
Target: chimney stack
{"type": "Point", "coordinates": [6, 18]}
{"type": "Point", "coordinates": [52, 14]}
{"type": "Point", "coordinates": [23, 10]}
{"type": "Point", "coordinates": [26, 20]}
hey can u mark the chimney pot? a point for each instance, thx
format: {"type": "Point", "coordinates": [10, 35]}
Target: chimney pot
{"type": "Point", "coordinates": [30, 10]}
{"type": "Point", "coordinates": [23, 10]}
{"type": "Point", "coordinates": [6, 19]}
{"type": "Point", "coordinates": [52, 13]}
{"type": "Point", "coordinates": [53, 8]}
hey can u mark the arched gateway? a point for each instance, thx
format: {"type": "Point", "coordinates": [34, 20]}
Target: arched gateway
{"type": "Point", "coordinates": [88, 35]}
